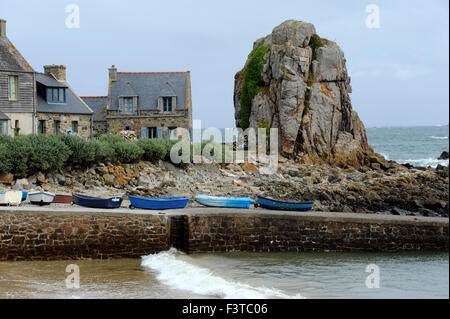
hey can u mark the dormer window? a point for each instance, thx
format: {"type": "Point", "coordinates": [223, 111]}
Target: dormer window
{"type": "Point", "coordinates": [56, 95]}
{"type": "Point", "coordinates": [127, 105]}
{"type": "Point", "coordinates": [167, 104]}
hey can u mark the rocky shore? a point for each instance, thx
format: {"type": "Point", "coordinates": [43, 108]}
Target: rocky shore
{"type": "Point", "coordinates": [397, 190]}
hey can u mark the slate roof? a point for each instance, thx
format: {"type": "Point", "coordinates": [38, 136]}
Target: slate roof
{"type": "Point", "coordinates": [3, 116]}
{"type": "Point", "coordinates": [148, 86]}
{"type": "Point", "coordinates": [73, 105]}
{"type": "Point", "coordinates": [98, 105]}
{"type": "Point", "coordinates": [10, 57]}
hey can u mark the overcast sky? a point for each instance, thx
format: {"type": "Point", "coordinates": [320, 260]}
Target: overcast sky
{"type": "Point", "coordinates": [399, 71]}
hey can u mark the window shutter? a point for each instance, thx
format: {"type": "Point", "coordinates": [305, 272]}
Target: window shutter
{"type": "Point", "coordinates": [160, 132]}
{"type": "Point", "coordinates": [144, 132]}
{"type": "Point", "coordinates": [174, 103]}
{"type": "Point", "coordinates": [160, 103]}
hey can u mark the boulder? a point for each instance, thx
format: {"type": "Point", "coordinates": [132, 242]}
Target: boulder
{"type": "Point", "coordinates": [304, 92]}
{"type": "Point", "coordinates": [444, 156]}
{"type": "Point", "coordinates": [6, 178]}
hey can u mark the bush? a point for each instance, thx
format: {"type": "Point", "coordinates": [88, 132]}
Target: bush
{"type": "Point", "coordinates": [104, 152]}
{"type": "Point", "coordinates": [127, 152]}
{"type": "Point", "coordinates": [82, 152]}
{"type": "Point", "coordinates": [5, 157]}
{"type": "Point", "coordinates": [20, 152]}
{"type": "Point", "coordinates": [111, 139]}
{"type": "Point", "coordinates": [48, 153]}
{"type": "Point", "coordinates": [154, 150]}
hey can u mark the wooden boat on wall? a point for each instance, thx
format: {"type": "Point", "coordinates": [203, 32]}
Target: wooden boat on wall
{"type": "Point", "coordinates": [228, 202]}
{"type": "Point", "coordinates": [158, 203]}
{"type": "Point", "coordinates": [41, 198]}
{"type": "Point", "coordinates": [63, 199]}
{"type": "Point", "coordinates": [11, 198]}
{"type": "Point", "coordinates": [284, 205]}
{"type": "Point", "coordinates": [96, 202]}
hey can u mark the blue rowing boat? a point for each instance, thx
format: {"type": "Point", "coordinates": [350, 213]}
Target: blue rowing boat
{"type": "Point", "coordinates": [282, 205]}
{"type": "Point", "coordinates": [158, 203]}
{"type": "Point", "coordinates": [229, 202]}
{"type": "Point", "coordinates": [24, 196]}
{"type": "Point", "coordinates": [95, 202]}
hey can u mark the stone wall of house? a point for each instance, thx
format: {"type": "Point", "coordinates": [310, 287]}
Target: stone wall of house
{"type": "Point", "coordinates": [100, 127]}
{"type": "Point", "coordinates": [84, 122]}
{"type": "Point", "coordinates": [58, 236]}
{"type": "Point", "coordinates": [179, 118]}
{"type": "Point", "coordinates": [287, 233]}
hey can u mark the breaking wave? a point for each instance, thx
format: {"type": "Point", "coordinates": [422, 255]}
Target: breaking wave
{"type": "Point", "coordinates": [425, 162]}
{"type": "Point", "coordinates": [439, 137]}
{"type": "Point", "coordinates": [179, 274]}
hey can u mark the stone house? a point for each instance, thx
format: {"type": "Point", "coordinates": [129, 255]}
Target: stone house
{"type": "Point", "coordinates": [33, 102]}
{"type": "Point", "coordinates": [153, 104]}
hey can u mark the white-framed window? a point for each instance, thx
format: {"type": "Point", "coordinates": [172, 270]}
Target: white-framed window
{"type": "Point", "coordinates": [127, 105]}
{"type": "Point", "coordinates": [171, 131]}
{"type": "Point", "coordinates": [167, 104]}
{"type": "Point", "coordinates": [13, 88]}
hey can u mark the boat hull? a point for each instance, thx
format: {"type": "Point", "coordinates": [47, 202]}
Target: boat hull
{"type": "Point", "coordinates": [11, 198]}
{"type": "Point", "coordinates": [63, 199]}
{"type": "Point", "coordinates": [227, 202]}
{"type": "Point", "coordinates": [95, 202]}
{"type": "Point", "coordinates": [280, 205]}
{"type": "Point", "coordinates": [158, 203]}
{"type": "Point", "coordinates": [41, 198]}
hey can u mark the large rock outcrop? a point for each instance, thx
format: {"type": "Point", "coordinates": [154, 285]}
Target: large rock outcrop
{"type": "Point", "coordinates": [303, 90]}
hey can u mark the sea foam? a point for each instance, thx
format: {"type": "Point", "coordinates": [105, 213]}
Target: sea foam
{"type": "Point", "coordinates": [179, 274]}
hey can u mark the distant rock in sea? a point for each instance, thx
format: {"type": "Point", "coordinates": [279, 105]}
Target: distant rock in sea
{"type": "Point", "coordinates": [444, 156]}
{"type": "Point", "coordinates": [297, 82]}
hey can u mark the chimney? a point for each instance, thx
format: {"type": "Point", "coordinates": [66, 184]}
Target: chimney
{"type": "Point", "coordinates": [2, 28]}
{"type": "Point", "coordinates": [113, 73]}
{"type": "Point", "coordinates": [58, 72]}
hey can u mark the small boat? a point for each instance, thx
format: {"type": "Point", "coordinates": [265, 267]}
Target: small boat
{"type": "Point", "coordinates": [95, 202]}
{"type": "Point", "coordinates": [63, 199]}
{"type": "Point", "coordinates": [158, 203]}
{"type": "Point", "coordinates": [283, 205]}
{"type": "Point", "coordinates": [229, 202]}
{"type": "Point", "coordinates": [24, 196]}
{"type": "Point", "coordinates": [10, 198]}
{"type": "Point", "coordinates": [41, 198]}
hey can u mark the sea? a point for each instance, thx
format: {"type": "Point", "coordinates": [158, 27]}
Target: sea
{"type": "Point", "coordinates": [175, 275]}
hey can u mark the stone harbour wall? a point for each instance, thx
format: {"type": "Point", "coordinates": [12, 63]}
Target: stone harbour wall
{"type": "Point", "coordinates": [73, 233]}
{"type": "Point", "coordinates": [260, 233]}
{"type": "Point", "coordinates": [56, 236]}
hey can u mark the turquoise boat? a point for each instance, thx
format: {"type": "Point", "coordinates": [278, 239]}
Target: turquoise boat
{"type": "Point", "coordinates": [228, 202]}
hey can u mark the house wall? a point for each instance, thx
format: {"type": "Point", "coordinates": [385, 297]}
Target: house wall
{"type": "Point", "coordinates": [179, 118]}
{"type": "Point", "coordinates": [84, 122]}
{"type": "Point", "coordinates": [101, 127]}
{"type": "Point", "coordinates": [26, 93]}
{"type": "Point", "coordinates": [25, 123]}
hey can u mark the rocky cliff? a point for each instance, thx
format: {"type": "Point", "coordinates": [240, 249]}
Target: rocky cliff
{"type": "Point", "coordinates": [297, 82]}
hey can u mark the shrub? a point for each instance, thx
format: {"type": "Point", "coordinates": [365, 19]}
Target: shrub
{"type": "Point", "coordinates": [104, 152]}
{"type": "Point", "coordinates": [48, 152]}
{"type": "Point", "coordinates": [252, 81]}
{"type": "Point", "coordinates": [82, 152]}
{"type": "Point", "coordinates": [154, 150]}
{"type": "Point", "coordinates": [111, 139]}
{"type": "Point", "coordinates": [127, 152]}
{"type": "Point", "coordinates": [20, 152]}
{"type": "Point", "coordinates": [5, 157]}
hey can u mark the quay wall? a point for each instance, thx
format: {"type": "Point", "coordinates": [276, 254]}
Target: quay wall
{"type": "Point", "coordinates": [72, 233]}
